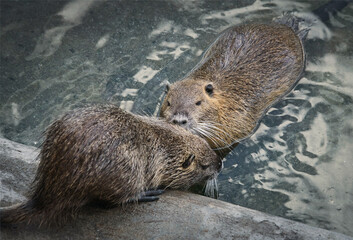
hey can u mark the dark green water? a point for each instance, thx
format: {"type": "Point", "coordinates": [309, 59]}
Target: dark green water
{"type": "Point", "coordinates": [57, 55]}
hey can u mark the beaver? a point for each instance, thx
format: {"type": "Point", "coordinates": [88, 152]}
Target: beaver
{"type": "Point", "coordinates": [104, 154]}
{"type": "Point", "coordinates": [245, 71]}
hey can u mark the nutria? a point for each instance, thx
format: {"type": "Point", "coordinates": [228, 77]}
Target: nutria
{"type": "Point", "coordinates": [107, 155]}
{"type": "Point", "coordinates": [244, 72]}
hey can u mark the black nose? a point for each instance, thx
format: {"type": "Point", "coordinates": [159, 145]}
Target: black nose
{"type": "Point", "coordinates": [180, 122]}
{"type": "Point", "coordinates": [180, 119]}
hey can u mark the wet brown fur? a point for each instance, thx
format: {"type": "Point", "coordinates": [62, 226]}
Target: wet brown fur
{"type": "Point", "coordinates": [250, 67]}
{"type": "Point", "coordinates": [106, 154]}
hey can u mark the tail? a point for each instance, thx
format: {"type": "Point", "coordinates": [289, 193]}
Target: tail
{"type": "Point", "coordinates": [17, 215]}
{"type": "Point", "coordinates": [28, 214]}
{"type": "Point", "coordinates": [293, 22]}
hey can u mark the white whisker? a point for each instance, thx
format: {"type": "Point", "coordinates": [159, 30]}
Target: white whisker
{"type": "Point", "coordinates": [211, 189]}
{"type": "Point", "coordinates": [216, 139]}
{"type": "Point", "coordinates": [203, 133]}
{"type": "Point", "coordinates": [219, 135]}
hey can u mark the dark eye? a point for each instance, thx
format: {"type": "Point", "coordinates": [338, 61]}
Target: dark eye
{"type": "Point", "coordinates": [198, 103]}
{"type": "Point", "coordinates": [209, 89]}
{"type": "Point", "coordinates": [204, 167]}
{"type": "Point", "coordinates": [188, 161]}
{"type": "Point", "coordinates": [168, 103]}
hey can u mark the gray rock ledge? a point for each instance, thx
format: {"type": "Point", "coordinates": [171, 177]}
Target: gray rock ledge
{"type": "Point", "coordinates": [177, 215]}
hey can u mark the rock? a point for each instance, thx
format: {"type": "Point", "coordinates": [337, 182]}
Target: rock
{"type": "Point", "coordinates": [18, 164]}
{"type": "Point", "coordinates": [177, 215]}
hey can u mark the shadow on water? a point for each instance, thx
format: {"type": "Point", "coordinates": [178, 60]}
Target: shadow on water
{"type": "Point", "coordinates": [72, 53]}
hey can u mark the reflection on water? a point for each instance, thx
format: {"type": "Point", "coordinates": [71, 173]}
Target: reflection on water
{"type": "Point", "coordinates": [298, 164]}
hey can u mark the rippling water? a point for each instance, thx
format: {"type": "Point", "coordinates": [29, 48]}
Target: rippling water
{"type": "Point", "coordinates": [57, 55]}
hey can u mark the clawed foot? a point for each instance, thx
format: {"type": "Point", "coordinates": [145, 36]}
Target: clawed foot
{"type": "Point", "coordinates": [148, 196]}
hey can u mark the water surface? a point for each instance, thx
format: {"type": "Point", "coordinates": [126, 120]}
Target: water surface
{"type": "Point", "coordinates": [58, 55]}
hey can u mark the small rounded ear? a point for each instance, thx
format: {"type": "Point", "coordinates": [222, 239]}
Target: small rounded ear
{"type": "Point", "coordinates": [188, 161]}
{"type": "Point", "coordinates": [209, 89]}
{"type": "Point", "coordinates": [167, 87]}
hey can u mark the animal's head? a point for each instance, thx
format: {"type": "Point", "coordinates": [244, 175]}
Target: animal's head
{"type": "Point", "coordinates": [195, 162]}
{"type": "Point", "coordinates": [199, 107]}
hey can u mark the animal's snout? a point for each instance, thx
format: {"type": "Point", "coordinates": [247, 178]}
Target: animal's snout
{"type": "Point", "coordinates": [180, 119]}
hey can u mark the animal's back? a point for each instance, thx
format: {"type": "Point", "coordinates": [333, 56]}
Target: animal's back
{"type": "Point", "coordinates": [245, 71]}
{"type": "Point", "coordinates": [82, 159]}
{"type": "Point", "coordinates": [105, 154]}
{"type": "Point", "coordinates": [256, 64]}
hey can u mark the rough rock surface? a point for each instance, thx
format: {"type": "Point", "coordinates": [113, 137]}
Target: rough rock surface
{"type": "Point", "coordinates": [18, 164]}
{"type": "Point", "coordinates": [177, 215]}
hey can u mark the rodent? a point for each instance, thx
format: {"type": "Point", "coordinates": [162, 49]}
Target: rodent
{"type": "Point", "coordinates": [104, 154]}
{"type": "Point", "coordinates": [245, 70]}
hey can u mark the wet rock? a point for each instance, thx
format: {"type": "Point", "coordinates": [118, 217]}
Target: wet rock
{"type": "Point", "coordinates": [177, 215]}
